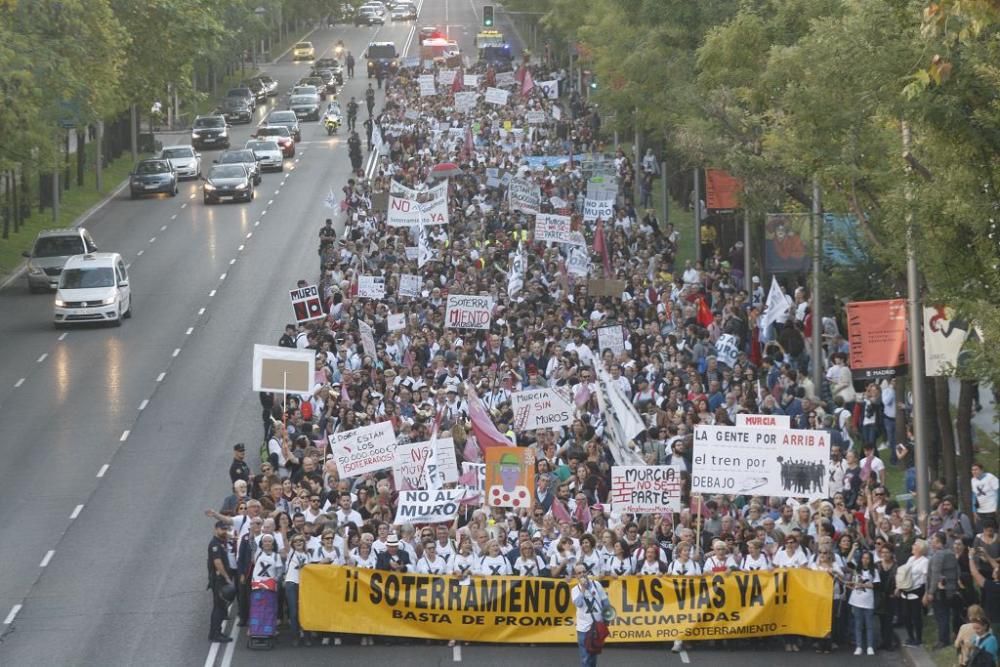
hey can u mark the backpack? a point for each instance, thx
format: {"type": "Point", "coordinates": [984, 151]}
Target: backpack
{"type": "Point", "coordinates": [904, 578]}
{"type": "Point", "coordinates": [980, 657]}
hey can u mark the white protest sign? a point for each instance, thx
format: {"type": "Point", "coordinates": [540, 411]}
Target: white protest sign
{"type": "Point", "coordinates": [480, 468]}
{"type": "Point", "coordinates": [427, 86]}
{"type": "Point", "coordinates": [767, 421]}
{"type": "Point", "coordinates": [578, 263]}
{"type": "Point", "coordinates": [505, 79]}
{"type": "Point", "coordinates": [555, 228]}
{"type": "Point", "coordinates": [524, 195]}
{"type": "Point", "coordinates": [727, 349]}
{"type": "Point", "coordinates": [417, 507]}
{"type": "Point", "coordinates": [281, 369]}
{"type": "Point", "coordinates": [557, 113]}
{"type": "Point", "coordinates": [470, 80]}
{"type": "Point", "coordinates": [611, 338]}
{"type": "Point", "coordinates": [760, 461]}
{"type": "Point", "coordinates": [645, 489]}
{"type": "Point", "coordinates": [367, 338]}
{"type": "Point", "coordinates": [541, 408]}
{"type": "Point", "coordinates": [465, 101]}
{"type": "Point", "coordinates": [363, 450]}
{"type": "Point", "coordinates": [395, 322]}
{"type": "Point", "coordinates": [371, 287]}
{"type": "Point", "coordinates": [412, 208]}
{"type": "Point", "coordinates": [497, 96]}
{"type": "Point", "coordinates": [411, 114]}
{"type": "Point", "coordinates": [446, 77]}
{"type": "Point", "coordinates": [594, 209]}
{"type": "Point", "coordinates": [535, 117]}
{"type": "Point", "coordinates": [306, 304]}
{"type": "Point", "coordinates": [415, 468]}
{"type": "Point", "coordinates": [409, 285]}
{"type": "Point", "coordinates": [412, 252]}
{"type": "Point", "coordinates": [551, 88]}
{"type": "Point", "coordinates": [468, 312]}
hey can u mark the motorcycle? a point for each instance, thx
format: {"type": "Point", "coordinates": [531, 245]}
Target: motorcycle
{"type": "Point", "coordinates": [338, 51]}
{"type": "Point", "coordinates": [332, 120]}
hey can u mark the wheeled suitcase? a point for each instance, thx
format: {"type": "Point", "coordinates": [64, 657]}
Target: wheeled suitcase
{"type": "Point", "coordinates": [263, 627]}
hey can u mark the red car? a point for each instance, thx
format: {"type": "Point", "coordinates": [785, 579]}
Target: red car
{"type": "Point", "coordinates": [281, 135]}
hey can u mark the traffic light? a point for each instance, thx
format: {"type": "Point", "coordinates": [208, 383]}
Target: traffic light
{"type": "Point", "coordinates": [488, 16]}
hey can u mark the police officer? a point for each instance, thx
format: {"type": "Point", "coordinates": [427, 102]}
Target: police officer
{"type": "Point", "coordinates": [354, 150]}
{"type": "Point", "coordinates": [239, 469]}
{"type": "Point", "coordinates": [352, 113]}
{"type": "Point", "coordinates": [350, 65]}
{"type": "Point", "coordinates": [369, 126]}
{"type": "Point", "coordinates": [370, 99]}
{"type": "Point", "coordinates": [219, 575]}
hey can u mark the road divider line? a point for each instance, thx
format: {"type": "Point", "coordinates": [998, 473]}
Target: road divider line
{"type": "Point", "coordinates": [270, 201]}
{"type": "Point", "coordinates": [12, 615]}
{"type": "Point", "coordinates": [142, 406]}
{"type": "Point", "coordinates": [173, 217]}
{"type": "Point", "coordinates": [159, 378]}
{"type": "Point", "coordinates": [152, 239]}
{"type": "Point", "coordinates": [42, 358]}
{"type": "Point", "coordinates": [240, 249]}
{"type": "Point", "coordinates": [63, 335]}
{"type": "Point", "coordinates": [685, 658]}
{"type": "Point", "coordinates": [124, 435]}
{"type": "Point", "coordinates": [177, 351]}
{"type": "Point", "coordinates": [189, 331]}
{"type": "Point", "coordinates": [222, 277]}
{"type": "Point", "coordinates": [104, 469]}
{"type": "Point", "coordinates": [232, 261]}
{"type": "Point", "coordinates": [211, 294]}
{"type": "Point", "coordinates": [76, 511]}
{"type": "Point", "coordinates": [456, 653]}
{"type": "Point", "coordinates": [184, 205]}
{"type": "Point", "coordinates": [48, 556]}
{"type": "Point", "coordinates": [249, 234]}
{"type": "Point", "coordinates": [163, 228]}
{"type": "Point", "coordinates": [201, 311]}
{"type": "Point", "coordinates": [128, 266]}
{"type": "Point", "coordinates": [256, 223]}
{"type": "Point", "coordinates": [139, 254]}
{"type": "Point", "coordinates": [19, 383]}
{"type": "Point", "coordinates": [227, 656]}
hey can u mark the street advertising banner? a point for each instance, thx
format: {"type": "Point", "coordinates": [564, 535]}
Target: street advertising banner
{"type": "Point", "coordinates": [769, 421]}
{"type": "Point", "coordinates": [786, 238]}
{"type": "Point", "coordinates": [722, 190]}
{"type": "Point", "coordinates": [943, 339]}
{"type": "Point", "coordinates": [611, 338]}
{"type": "Point", "coordinates": [598, 209]}
{"type": "Point", "coordinates": [550, 407]}
{"type": "Point", "coordinates": [759, 461]}
{"type": "Point", "coordinates": [414, 468]}
{"type": "Point", "coordinates": [306, 304]}
{"type": "Point", "coordinates": [510, 477]}
{"type": "Point", "coordinates": [496, 96]}
{"type": "Point", "coordinates": [366, 449]}
{"type": "Point", "coordinates": [413, 208]}
{"type": "Point", "coordinates": [876, 331]}
{"type": "Point", "coordinates": [645, 489]}
{"type": "Point", "coordinates": [727, 349]}
{"type": "Point", "coordinates": [419, 507]}
{"type": "Point", "coordinates": [524, 195]}
{"type": "Point", "coordinates": [409, 285]}
{"type": "Point", "coordinates": [540, 610]}
{"type": "Point", "coordinates": [281, 369]}
{"type": "Point", "coordinates": [468, 312]}
{"type": "Point", "coordinates": [371, 287]}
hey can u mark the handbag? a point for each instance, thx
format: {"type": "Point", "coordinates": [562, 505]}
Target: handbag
{"type": "Point", "coordinates": [598, 633]}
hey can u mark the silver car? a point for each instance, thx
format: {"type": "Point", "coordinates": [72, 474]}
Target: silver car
{"type": "Point", "coordinates": [244, 157]}
{"type": "Point", "coordinates": [186, 161]}
{"type": "Point", "coordinates": [268, 154]}
{"type": "Point", "coordinates": [49, 254]}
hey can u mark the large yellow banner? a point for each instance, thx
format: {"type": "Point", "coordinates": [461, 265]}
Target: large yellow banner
{"type": "Point", "coordinates": [537, 610]}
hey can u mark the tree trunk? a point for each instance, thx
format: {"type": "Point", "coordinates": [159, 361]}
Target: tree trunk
{"type": "Point", "coordinates": [934, 446]}
{"type": "Point", "coordinates": [966, 443]}
{"type": "Point", "coordinates": [942, 406]}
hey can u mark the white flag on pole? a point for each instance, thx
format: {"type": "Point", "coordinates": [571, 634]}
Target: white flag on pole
{"type": "Point", "coordinates": [622, 422]}
{"type": "Point", "coordinates": [331, 200]}
{"type": "Point", "coordinates": [515, 282]}
{"type": "Point", "coordinates": [776, 307]}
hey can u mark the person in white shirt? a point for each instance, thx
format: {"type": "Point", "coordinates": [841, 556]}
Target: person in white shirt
{"type": "Point", "coordinates": [464, 563]}
{"type": "Point", "coordinates": [792, 555]}
{"type": "Point", "coordinates": [825, 563]}
{"type": "Point", "coordinates": [621, 563]}
{"type": "Point", "coordinates": [588, 598]}
{"type": "Point", "coordinates": [984, 494]}
{"type": "Point", "coordinates": [862, 600]}
{"type": "Point", "coordinates": [267, 565]}
{"type": "Point", "coordinates": [295, 562]}
{"type": "Point", "coordinates": [913, 612]}
{"type": "Point", "coordinates": [563, 559]}
{"type": "Point", "coordinates": [719, 560]}
{"type": "Point", "coordinates": [755, 559]}
{"type": "Point", "coordinates": [346, 515]}
{"type": "Point", "coordinates": [530, 564]}
{"type": "Point", "coordinates": [328, 553]}
{"type": "Point", "coordinates": [445, 547]}
{"type": "Point", "coordinates": [493, 563]}
{"type": "Point", "coordinates": [430, 562]}
{"type": "Point", "coordinates": [588, 556]}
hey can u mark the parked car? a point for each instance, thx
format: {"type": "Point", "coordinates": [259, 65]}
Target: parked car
{"type": "Point", "coordinates": [49, 253]}
{"type": "Point", "coordinates": [152, 176]}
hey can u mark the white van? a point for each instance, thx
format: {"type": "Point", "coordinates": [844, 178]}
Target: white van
{"type": "Point", "coordinates": [93, 288]}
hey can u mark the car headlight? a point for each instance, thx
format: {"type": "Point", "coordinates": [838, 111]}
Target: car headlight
{"type": "Point", "coordinates": [241, 186]}
{"type": "Point", "coordinates": [60, 303]}
{"type": "Point", "coordinates": [209, 187]}
{"type": "Point", "coordinates": [110, 300]}
{"type": "Point", "coordinates": [34, 270]}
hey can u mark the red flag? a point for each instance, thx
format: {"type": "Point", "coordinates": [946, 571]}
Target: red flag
{"type": "Point", "coordinates": [755, 358]}
{"type": "Point", "coordinates": [458, 82]}
{"type": "Point", "coordinates": [527, 83]}
{"type": "Point", "coordinates": [486, 432]}
{"type": "Point", "coordinates": [601, 246]}
{"type": "Point", "coordinates": [582, 514]}
{"type": "Point", "coordinates": [705, 316]}
{"type": "Point", "coordinates": [560, 512]}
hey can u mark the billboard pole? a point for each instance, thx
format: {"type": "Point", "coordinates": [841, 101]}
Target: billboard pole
{"type": "Point", "coordinates": [816, 350]}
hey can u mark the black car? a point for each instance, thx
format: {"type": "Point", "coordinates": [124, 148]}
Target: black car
{"type": "Point", "coordinates": [245, 94]}
{"type": "Point", "coordinates": [228, 181]}
{"type": "Point", "coordinates": [245, 157]}
{"type": "Point", "coordinates": [368, 16]}
{"type": "Point", "coordinates": [331, 64]}
{"type": "Point", "coordinates": [210, 132]}
{"type": "Point", "coordinates": [151, 177]}
{"type": "Point", "coordinates": [305, 107]}
{"type": "Point", "coordinates": [330, 80]}
{"type": "Point", "coordinates": [235, 110]}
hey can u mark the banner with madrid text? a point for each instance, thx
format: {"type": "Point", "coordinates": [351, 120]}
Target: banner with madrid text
{"type": "Point", "coordinates": [540, 610]}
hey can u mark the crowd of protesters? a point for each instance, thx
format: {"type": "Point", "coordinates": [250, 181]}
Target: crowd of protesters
{"type": "Point", "coordinates": [890, 566]}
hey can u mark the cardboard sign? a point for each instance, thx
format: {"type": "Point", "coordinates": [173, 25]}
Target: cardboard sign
{"type": "Point", "coordinates": [645, 489]}
{"type": "Point", "coordinates": [767, 421]}
{"type": "Point", "coordinates": [367, 339]}
{"type": "Point", "coordinates": [510, 477]}
{"type": "Point", "coordinates": [555, 228]}
{"type": "Point", "coordinates": [759, 461]}
{"type": "Point", "coordinates": [524, 195]}
{"type": "Point", "coordinates": [412, 208]}
{"type": "Point", "coordinates": [594, 209]}
{"type": "Point", "coordinates": [282, 369]}
{"type": "Point", "coordinates": [371, 287]}
{"type": "Point", "coordinates": [468, 312]}
{"type": "Point", "coordinates": [422, 507]}
{"type": "Point", "coordinates": [727, 349]}
{"type": "Point", "coordinates": [479, 483]}
{"type": "Point", "coordinates": [306, 304]}
{"type": "Point", "coordinates": [611, 338]}
{"type": "Point", "coordinates": [380, 202]}
{"type": "Point", "coordinates": [541, 408]}
{"type": "Point", "coordinates": [415, 468]}
{"type": "Point", "coordinates": [409, 285]}
{"type": "Point", "coordinates": [395, 322]}
{"type": "Point", "coordinates": [366, 449]}
{"type": "Point", "coordinates": [606, 287]}
{"type": "Point", "coordinates": [497, 96]}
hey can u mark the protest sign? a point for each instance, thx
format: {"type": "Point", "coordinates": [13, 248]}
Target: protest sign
{"type": "Point", "coordinates": [367, 339]}
{"type": "Point", "coordinates": [371, 287]}
{"type": "Point", "coordinates": [409, 285]}
{"type": "Point", "coordinates": [551, 88]}
{"type": "Point", "coordinates": [646, 489]}
{"type": "Point", "coordinates": [602, 187]}
{"type": "Point", "coordinates": [606, 287]}
{"type": "Point", "coordinates": [556, 113]}
{"type": "Point", "coordinates": [446, 77]}
{"type": "Point", "coordinates": [771, 421]}
{"type": "Point", "coordinates": [414, 468]}
{"type": "Point", "coordinates": [395, 322]}
{"type": "Point", "coordinates": [468, 312]}
{"type": "Point", "coordinates": [497, 96]}
{"type": "Point", "coordinates": [727, 349]}
{"type": "Point", "coordinates": [306, 304]}
{"type": "Point", "coordinates": [420, 507]}
{"type": "Point", "coordinates": [555, 228]}
{"type": "Point", "coordinates": [412, 252]}
{"type": "Point", "coordinates": [427, 88]}
{"type": "Point", "coordinates": [515, 277]}
{"type": "Point", "coordinates": [534, 117]}
{"type": "Point", "coordinates": [412, 208]}
{"type": "Point", "coordinates": [470, 80]}
{"type": "Point", "coordinates": [524, 195]}
{"type": "Point", "coordinates": [510, 477]}
{"type": "Point", "coordinates": [479, 483]}
{"type": "Point", "coordinates": [539, 610]}
{"type": "Point", "coordinates": [944, 335]}
{"type": "Point", "coordinates": [594, 209]}
{"type": "Point", "coordinates": [366, 449]}
{"type": "Point", "coordinates": [760, 461]}
{"type": "Point", "coordinates": [578, 263]}
{"type": "Point", "coordinates": [611, 338]}
{"type": "Point", "coordinates": [465, 101]}
{"type": "Point", "coordinates": [541, 408]}
{"type": "Point", "coordinates": [505, 79]}
{"type": "Point", "coordinates": [281, 369]}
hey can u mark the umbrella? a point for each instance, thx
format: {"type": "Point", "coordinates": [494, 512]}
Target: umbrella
{"type": "Point", "coordinates": [445, 170]}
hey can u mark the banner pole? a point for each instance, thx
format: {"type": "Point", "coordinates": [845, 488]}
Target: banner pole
{"type": "Point", "coordinates": [697, 529]}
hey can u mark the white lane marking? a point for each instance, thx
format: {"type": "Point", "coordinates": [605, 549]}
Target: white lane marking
{"type": "Point", "coordinates": [240, 249]}
{"type": "Point", "coordinates": [222, 277]}
{"type": "Point", "coordinates": [42, 358]}
{"type": "Point", "coordinates": [152, 239]}
{"type": "Point", "coordinates": [231, 262]}
{"type": "Point", "coordinates": [211, 294]}
{"type": "Point", "coordinates": [48, 556]}
{"type": "Point", "coordinates": [76, 511]}
{"type": "Point", "coordinates": [191, 197]}
{"type": "Point", "coordinates": [227, 657]}
{"type": "Point", "coordinates": [296, 160]}
{"type": "Point", "coordinates": [128, 266]}
{"type": "Point", "coordinates": [12, 615]}
{"type": "Point", "coordinates": [63, 335]}
{"type": "Point", "coordinates": [18, 383]}
{"type": "Point", "coordinates": [256, 223]}
{"type": "Point", "coordinates": [173, 217]}
{"type": "Point", "coordinates": [139, 254]}
{"type": "Point", "coordinates": [264, 212]}
{"type": "Point", "coordinates": [249, 234]}
{"type": "Point", "coordinates": [142, 406]}
{"type": "Point", "coordinates": [212, 651]}
{"type": "Point", "coordinates": [104, 469]}
{"type": "Point", "coordinates": [124, 435]}
{"type": "Point", "coordinates": [189, 331]}
{"type": "Point", "coordinates": [159, 378]}
{"type": "Point", "coordinates": [456, 653]}
{"type": "Point", "coordinates": [177, 351]}
{"type": "Point", "coordinates": [163, 228]}
{"type": "Point", "coordinates": [270, 201]}
{"type": "Point", "coordinates": [201, 311]}
{"type": "Point", "coordinates": [184, 205]}
{"type": "Point", "coordinates": [684, 657]}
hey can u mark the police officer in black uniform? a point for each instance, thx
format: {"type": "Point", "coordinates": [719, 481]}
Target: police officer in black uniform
{"type": "Point", "coordinates": [239, 469]}
{"type": "Point", "coordinates": [219, 576]}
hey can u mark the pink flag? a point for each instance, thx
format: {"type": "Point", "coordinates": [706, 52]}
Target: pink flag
{"type": "Point", "coordinates": [471, 452]}
{"type": "Point", "coordinates": [527, 83]}
{"type": "Point", "coordinates": [601, 246]}
{"type": "Point", "coordinates": [344, 396]}
{"type": "Point", "coordinates": [468, 478]}
{"type": "Point", "coordinates": [582, 394]}
{"type": "Point", "coordinates": [487, 434]}
{"type": "Point", "coordinates": [560, 512]}
{"type": "Point", "coordinates": [582, 514]}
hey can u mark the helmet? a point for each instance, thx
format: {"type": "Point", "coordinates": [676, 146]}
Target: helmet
{"type": "Point", "coordinates": [228, 592]}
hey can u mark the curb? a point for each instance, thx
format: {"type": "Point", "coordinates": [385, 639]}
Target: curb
{"type": "Point", "coordinates": [914, 656]}
{"type": "Point", "coordinates": [86, 215]}
{"type": "Point", "coordinates": [289, 49]}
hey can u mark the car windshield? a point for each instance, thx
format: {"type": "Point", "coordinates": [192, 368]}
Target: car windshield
{"type": "Point", "coordinates": [303, 45]}
{"type": "Point", "coordinates": [228, 171]}
{"type": "Point", "coordinates": [186, 151]}
{"type": "Point", "coordinates": [235, 103]}
{"type": "Point", "coordinates": [281, 117]}
{"type": "Point", "coordinates": [262, 146]}
{"type": "Point", "coordinates": [276, 131]}
{"type": "Point", "coordinates": [58, 246]}
{"type": "Point", "coordinates": [234, 157]}
{"type": "Point", "coordinates": [152, 168]}
{"type": "Point", "coordinates": [210, 122]}
{"type": "Point", "coordinates": [85, 278]}
{"type": "Point", "coordinates": [385, 51]}
{"type": "Point", "coordinates": [303, 99]}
